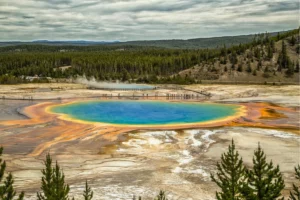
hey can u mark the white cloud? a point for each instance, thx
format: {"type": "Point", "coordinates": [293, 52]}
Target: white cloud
{"type": "Point", "coordinates": [142, 19]}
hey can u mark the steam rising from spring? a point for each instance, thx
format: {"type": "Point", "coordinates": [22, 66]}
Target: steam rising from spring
{"type": "Point", "coordinates": [112, 85]}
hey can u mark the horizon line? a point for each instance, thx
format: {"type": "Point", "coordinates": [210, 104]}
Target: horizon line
{"type": "Point", "coordinates": [120, 41]}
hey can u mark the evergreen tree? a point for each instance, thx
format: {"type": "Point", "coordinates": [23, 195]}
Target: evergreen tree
{"type": "Point", "coordinates": [259, 65]}
{"type": "Point", "coordinates": [295, 193]}
{"type": "Point", "coordinates": [293, 40]}
{"type": "Point", "coordinates": [47, 182]}
{"type": "Point", "coordinates": [264, 181]}
{"type": "Point", "coordinates": [297, 68]}
{"type": "Point", "coordinates": [2, 165]}
{"type": "Point", "coordinates": [249, 69]}
{"type": "Point", "coordinates": [267, 69]}
{"type": "Point", "coordinates": [230, 175]}
{"type": "Point", "coordinates": [290, 71]}
{"type": "Point", "coordinates": [273, 46]}
{"type": "Point", "coordinates": [126, 75]}
{"type": "Point", "coordinates": [225, 69]}
{"type": "Point", "coordinates": [7, 191]}
{"type": "Point", "coordinates": [87, 193]}
{"type": "Point", "coordinates": [224, 51]}
{"type": "Point", "coordinates": [53, 182]}
{"type": "Point", "coordinates": [267, 38]}
{"type": "Point", "coordinates": [257, 53]}
{"type": "Point", "coordinates": [278, 36]}
{"type": "Point", "coordinates": [270, 52]}
{"type": "Point", "coordinates": [232, 67]}
{"type": "Point", "coordinates": [233, 58]}
{"type": "Point", "coordinates": [240, 68]}
{"type": "Point", "coordinates": [223, 61]}
{"type": "Point", "coordinates": [283, 59]}
{"type": "Point", "coordinates": [161, 196]}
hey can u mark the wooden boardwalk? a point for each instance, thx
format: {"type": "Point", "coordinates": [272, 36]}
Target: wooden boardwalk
{"type": "Point", "coordinates": [143, 93]}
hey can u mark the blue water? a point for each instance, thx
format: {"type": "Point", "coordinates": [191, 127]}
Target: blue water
{"type": "Point", "coordinates": [145, 112]}
{"type": "Point", "coordinates": [122, 86]}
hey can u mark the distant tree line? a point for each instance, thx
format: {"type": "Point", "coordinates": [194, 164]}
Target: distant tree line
{"type": "Point", "coordinates": [124, 66]}
{"type": "Point", "coordinates": [149, 65]}
{"type": "Point", "coordinates": [71, 48]}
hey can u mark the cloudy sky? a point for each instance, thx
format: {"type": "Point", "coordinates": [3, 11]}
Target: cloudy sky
{"type": "Point", "coordinates": [126, 20]}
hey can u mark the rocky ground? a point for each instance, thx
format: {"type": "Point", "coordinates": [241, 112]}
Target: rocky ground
{"type": "Point", "coordinates": [122, 163]}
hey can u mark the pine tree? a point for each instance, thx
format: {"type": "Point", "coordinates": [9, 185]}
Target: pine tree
{"type": "Point", "coordinates": [293, 40]}
{"type": "Point", "coordinates": [270, 52]}
{"type": "Point", "coordinates": [53, 182]}
{"type": "Point", "coordinates": [295, 193]}
{"type": "Point", "coordinates": [230, 175]}
{"type": "Point", "coordinates": [259, 65]}
{"type": "Point", "coordinates": [264, 181]}
{"type": "Point", "coordinates": [61, 190]}
{"type": "Point", "coordinates": [273, 46]}
{"type": "Point", "coordinates": [225, 69]}
{"type": "Point", "coordinates": [232, 67]}
{"type": "Point", "coordinates": [297, 68]}
{"type": "Point", "coordinates": [87, 193]}
{"type": "Point", "coordinates": [161, 196]}
{"type": "Point", "coordinates": [283, 59]}
{"type": "Point", "coordinates": [224, 51]}
{"type": "Point", "coordinates": [7, 191]}
{"type": "Point", "coordinates": [47, 182]}
{"type": "Point", "coordinates": [2, 165]}
{"type": "Point", "coordinates": [249, 69]}
{"type": "Point", "coordinates": [257, 53]}
{"type": "Point", "coordinates": [278, 36]}
{"type": "Point", "coordinates": [234, 58]}
{"type": "Point", "coordinates": [290, 71]}
{"type": "Point", "coordinates": [240, 68]}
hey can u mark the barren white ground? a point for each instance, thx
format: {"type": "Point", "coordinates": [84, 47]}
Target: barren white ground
{"type": "Point", "coordinates": [143, 162]}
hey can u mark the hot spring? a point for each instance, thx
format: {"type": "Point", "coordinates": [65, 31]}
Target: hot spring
{"type": "Point", "coordinates": [145, 112]}
{"type": "Point", "coordinates": [120, 86]}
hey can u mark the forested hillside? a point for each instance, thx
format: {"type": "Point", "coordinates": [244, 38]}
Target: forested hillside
{"type": "Point", "coordinates": [71, 48]}
{"type": "Point", "coordinates": [196, 43]}
{"type": "Point", "coordinates": [272, 59]}
{"type": "Point", "coordinates": [262, 57]}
